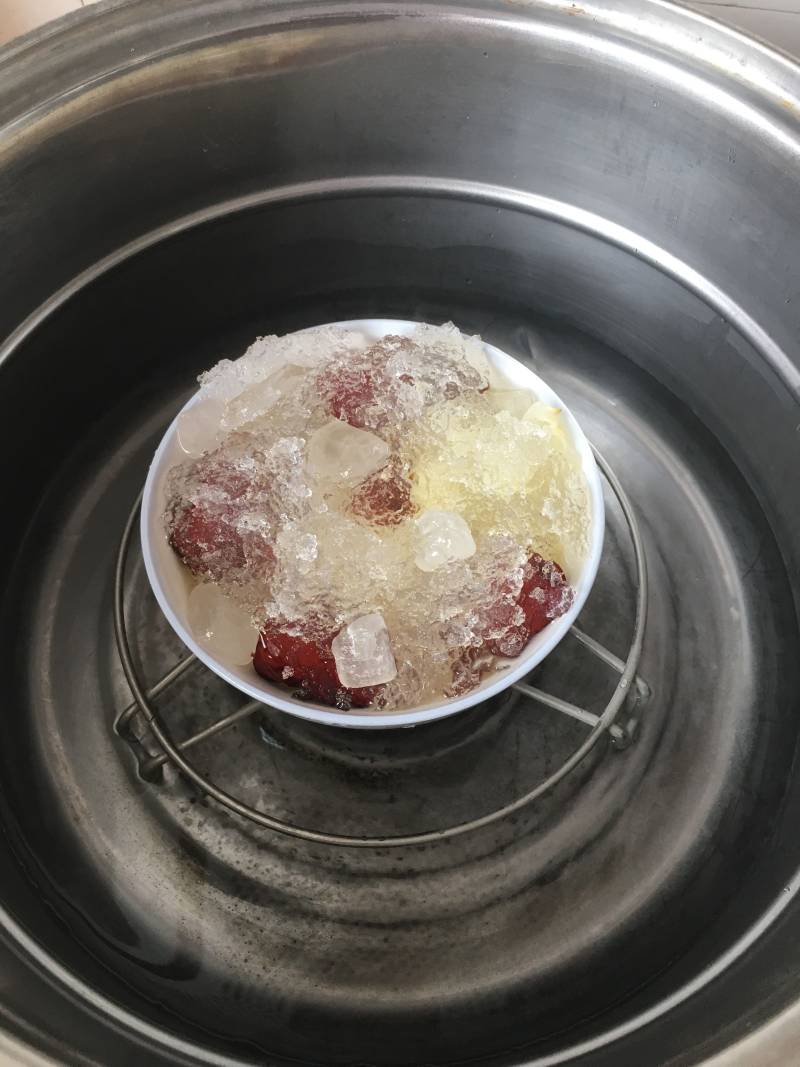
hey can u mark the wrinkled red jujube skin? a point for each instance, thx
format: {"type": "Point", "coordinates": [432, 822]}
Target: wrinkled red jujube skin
{"type": "Point", "coordinates": [351, 391]}
{"type": "Point", "coordinates": [203, 532]}
{"type": "Point", "coordinates": [306, 661]}
{"type": "Point", "coordinates": [206, 541]}
{"type": "Point", "coordinates": [545, 594]}
{"type": "Point", "coordinates": [383, 499]}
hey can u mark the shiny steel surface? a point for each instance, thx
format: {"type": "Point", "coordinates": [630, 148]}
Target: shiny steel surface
{"type": "Point", "coordinates": [609, 191]}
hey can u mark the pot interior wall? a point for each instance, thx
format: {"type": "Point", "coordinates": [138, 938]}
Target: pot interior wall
{"type": "Point", "coordinates": [634, 878]}
{"type": "Point", "coordinates": [482, 945]}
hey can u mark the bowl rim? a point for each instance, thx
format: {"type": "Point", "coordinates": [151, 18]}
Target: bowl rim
{"type": "Point", "coordinates": [153, 537]}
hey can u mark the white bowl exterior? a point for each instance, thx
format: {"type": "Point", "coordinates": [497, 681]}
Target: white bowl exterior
{"type": "Point", "coordinates": [172, 583]}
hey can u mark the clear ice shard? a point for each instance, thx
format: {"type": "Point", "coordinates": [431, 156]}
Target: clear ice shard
{"type": "Point", "coordinates": [221, 626]}
{"type": "Point", "coordinates": [441, 537]}
{"type": "Point", "coordinates": [363, 653]}
{"type": "Point", "coordinates": [344, 454]}
{"type": "Point", "coordinates": [199, 427]}
{"type": "Point", "coordinates": [256, 401]}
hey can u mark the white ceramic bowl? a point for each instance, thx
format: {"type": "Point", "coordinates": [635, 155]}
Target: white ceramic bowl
{"type": "Point", "coordinates": [171, 581]}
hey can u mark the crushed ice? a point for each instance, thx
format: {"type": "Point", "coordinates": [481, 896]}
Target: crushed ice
{"type": "Point", "coordinates": [389, 492]}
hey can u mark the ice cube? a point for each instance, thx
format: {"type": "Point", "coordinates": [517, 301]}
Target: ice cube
{"type": "Point", "coordinates": [515, 401]}
{"type": "Point", "coordinates": [441, 537]}
{"type": "Point", "coordinates": [475, 355]}
{"type": "Point", "coordinates": [363, 653]}
{"type": "Point", "coordinates": [221, 626]}
{"type": "Point", "coordinates": [249, 404]}
{"type": "Point", "coordinates": [257, 400]}
{"type": "Point", "coordinates": [199, 428]}
{"type": "Point", "coordinates": [344, 454]}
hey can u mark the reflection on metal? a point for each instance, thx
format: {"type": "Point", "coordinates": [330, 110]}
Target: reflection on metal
{"type": "Point", "coordinates": [630, 693]}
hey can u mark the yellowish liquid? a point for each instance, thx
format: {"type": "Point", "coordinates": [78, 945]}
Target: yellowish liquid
{"type": "Point", "coordinates": [515, 473]}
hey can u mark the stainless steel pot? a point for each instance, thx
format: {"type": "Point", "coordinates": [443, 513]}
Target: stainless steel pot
{"type": "Point", "coordinates": [610, 190]}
